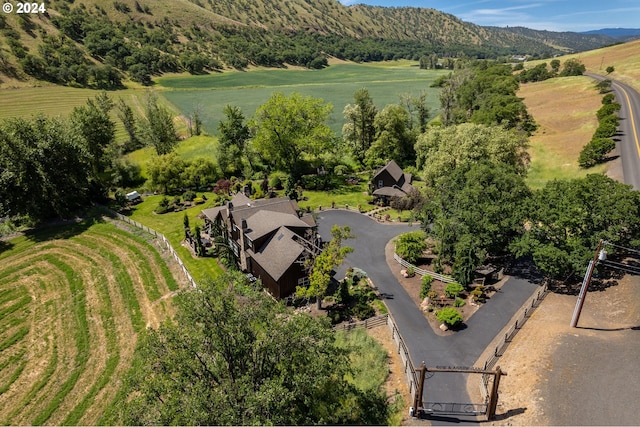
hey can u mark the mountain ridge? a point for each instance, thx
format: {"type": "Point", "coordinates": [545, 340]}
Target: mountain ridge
{"type": "Point", "coordinates": [96, 43]}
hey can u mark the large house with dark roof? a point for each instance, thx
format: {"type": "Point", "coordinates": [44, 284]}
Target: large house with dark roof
{"type": "Point", "coordinates": [270, 239]}
{"type": "Point", "coordinates": [390, 181]}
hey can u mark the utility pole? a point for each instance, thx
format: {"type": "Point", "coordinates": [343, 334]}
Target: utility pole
{"type": "Point", "coordinates": [600, 255]}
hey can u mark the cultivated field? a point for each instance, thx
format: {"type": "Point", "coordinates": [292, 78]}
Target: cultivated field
{"type": "Point", "coordinates": [335, 84]}
{"type": "Point", "coordinates": [73, 299]}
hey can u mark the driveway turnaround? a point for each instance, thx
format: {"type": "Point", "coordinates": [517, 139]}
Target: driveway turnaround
{"type": "Point", "coordinates": [461, 349]}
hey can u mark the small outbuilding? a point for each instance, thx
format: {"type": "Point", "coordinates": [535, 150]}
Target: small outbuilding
{"type": "Point", "coordinates": [134, 197]}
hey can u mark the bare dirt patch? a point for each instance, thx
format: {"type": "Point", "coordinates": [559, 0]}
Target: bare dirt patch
{"type": "Point", "coordinates": [538, 377]}
{"type": "Point", "coordinates": [396, 383]}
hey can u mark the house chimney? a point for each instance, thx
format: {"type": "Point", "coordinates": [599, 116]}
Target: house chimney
{"type": "Point", "coordinates": [244, 223]}
{"type": "Point", "coordinates": [230, 206]}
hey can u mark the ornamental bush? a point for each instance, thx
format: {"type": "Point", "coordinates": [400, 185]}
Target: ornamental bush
{"type": "Point", "coordinates": [453, 289]}
{"type": "Point", "coordinates": [426, 286]}
{"type": "Point", "coordinates": [450, 317]}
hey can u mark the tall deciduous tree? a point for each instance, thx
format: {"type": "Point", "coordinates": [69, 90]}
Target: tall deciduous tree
{"type": "Point", "coordinates": [234, 357]}
{"type": "Point", "coordinates": [98, 131]}
{"type": "Point", "coordinates": [475, 212]}
{"type": "Point", "coordinates": [126, 116]}
{"type": "Point", "coordinates": [157, 127]}
{"type": "Point", "coordinates": [232, 140]}
{"type": "Point", "coordinates": [44, 168]}
{"type": "Point", "coordinates": [288, 128]}
{"type": "Point", "coordinates": [331, 257]}
{"type": "Point", "coordinates": [166, 172]}
{"type": "Point", "coordinates": [442, 150]}
{"type": "Point", "coordinates": [394, 138]}
{"type": "Point", "coordinates": [359, 131]}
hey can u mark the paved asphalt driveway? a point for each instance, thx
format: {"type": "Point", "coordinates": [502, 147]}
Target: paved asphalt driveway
{"type": "Point", "coordinates": [461, 349]}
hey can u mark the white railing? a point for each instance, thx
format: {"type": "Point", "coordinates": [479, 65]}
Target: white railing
{"type": "Point", "coordinates": [441, 277]}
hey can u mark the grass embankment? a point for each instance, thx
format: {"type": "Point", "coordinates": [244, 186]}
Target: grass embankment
{"type": "Point", "coordinates": [565, 110]}
{"type": "Point", "coordinates": [171, 225]}
{"type": "Point", "coordinates": [72, 301]}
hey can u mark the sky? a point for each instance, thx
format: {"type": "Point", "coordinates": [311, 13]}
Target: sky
{"type": "Point", "coordinates": [552, 15]}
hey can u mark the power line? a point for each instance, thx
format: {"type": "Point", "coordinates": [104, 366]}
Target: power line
{"type": "Point", "coordinates": [622, 247]}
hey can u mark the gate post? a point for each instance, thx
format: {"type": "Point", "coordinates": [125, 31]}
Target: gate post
{"type": "Point", "coordinates": [493, 397]}
{"type": "Point", "coordinates": [417, 402]}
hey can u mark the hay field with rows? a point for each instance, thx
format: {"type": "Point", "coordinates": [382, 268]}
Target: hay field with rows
{"type": "Point", "coordinates": [73, 300]}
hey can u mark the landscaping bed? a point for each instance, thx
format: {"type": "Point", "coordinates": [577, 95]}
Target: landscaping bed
{"type": "Point", "coordinates": [413, 285]}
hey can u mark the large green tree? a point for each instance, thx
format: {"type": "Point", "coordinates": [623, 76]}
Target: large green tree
{"type": "Point", "coordinates": [93, 123]}
{"type": "Point", "coordinates": [232, 140]}
{"type": "Point", "coordinates": [45, 169]}
{"type": "Point", "coordinates": [291, 129]}
{"type": "Point", "coordinates": [157, 126]}
{"type": "Point", "coordinates": [359, 131]}
{"type": "Point", "coordinates": [395, 139]}
{"type": "Point", "coordinates": [440, 150]}
{"type": "Point", "coordinates": [477, 211]}
{"type": "Point", "coordinates": [235, 357]}
{"type": "Point", "coordinates": [567, 218]}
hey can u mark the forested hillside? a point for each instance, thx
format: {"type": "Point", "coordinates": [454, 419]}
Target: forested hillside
{"type": "Point", "coordinates": [100, 43]}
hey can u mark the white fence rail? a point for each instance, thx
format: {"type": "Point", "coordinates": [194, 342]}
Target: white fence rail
{"type": "Point", "coordinates": [441, 277]}
{"type": "Point", "coordinates": [409, 370]}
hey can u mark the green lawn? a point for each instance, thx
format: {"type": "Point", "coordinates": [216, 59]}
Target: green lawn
{"type": "Point", "coordinates": [171, 225]}
{"type": "Point", "coordinates": [335, 84]}
{"type": "Point", "coordinates": [351, 195]}
{"type": "Point", "coordinates": [188, 149]}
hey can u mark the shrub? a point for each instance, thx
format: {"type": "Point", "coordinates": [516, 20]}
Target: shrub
{"type": "Point", "coordinates": [595, 151]}
{"type": "Point", "coordinates": [478, 294]}
{"type": "Point", "coordinates": [450, 317]}
{"type": "Point", "coordinates": [363, 311]}
{"type": "Point", "coordinates": [410, 246]}
{"type": "Point", "coordinates": [341, 170]}
{"type": "Point", "coordinates": [608, 99]}
{"type": "Point", "coordinates": [426, 286]}
{"type": "Point", "coordinates": [605, 130]}
{"type": "Point", "coordinates": [188, 196]}
{"type": "Point", "coordinates": [459, 302]}
{"type": "Point", "coordinates": [453, 289]}
{"type": "Point", "coordinates": [411, 271]}
{"type": "Point", "coordinates": [276, 180]}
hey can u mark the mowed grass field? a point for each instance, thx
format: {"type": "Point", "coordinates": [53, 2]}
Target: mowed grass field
{"type": "Point", "coordinates": [73, 299]}
{"type": "Point", "coordinates": [335, 85]}
{"type": "Point", "coordinates": [565, 110]}
{"type": "Point", "coordinates": [60, 101]}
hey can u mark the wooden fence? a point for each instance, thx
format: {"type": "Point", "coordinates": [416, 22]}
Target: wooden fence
{"type": "Point", "coordinates": [409, 370]}
{"type": "Point", "coordinates": [503, 342]}
{"type": "Point", "coordinates": [441, 277]}
{"type": "Point", "coordinates": [367, 323]}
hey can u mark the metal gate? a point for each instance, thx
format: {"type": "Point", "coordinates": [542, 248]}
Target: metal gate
{"type": "Point", "coordinates": [442, 408]}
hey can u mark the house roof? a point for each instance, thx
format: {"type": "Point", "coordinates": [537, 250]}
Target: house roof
{"type": "Point", "coordinates": [278, 253]}
{"type": "Point", "coordinates": [390, 192]}
{"type": "Point", "coordinates": [263, 222]}
{"type": "Point", "coordinates": [244, 208]}
{"type": "Point", "coordinates": [394, 170]}
{"type": "Point", "coordinates": [212, 213]}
